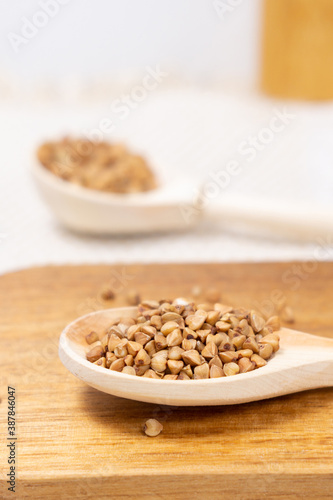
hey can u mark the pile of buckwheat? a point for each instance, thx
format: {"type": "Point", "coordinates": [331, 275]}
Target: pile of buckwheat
{"type": "Point", "coordinates": [97, 165]}
{"type": "Point", "coordinates": [181, 341]}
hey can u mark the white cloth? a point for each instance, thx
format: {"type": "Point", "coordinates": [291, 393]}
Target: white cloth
{"type": "Point", "coordinates": [180, 130]}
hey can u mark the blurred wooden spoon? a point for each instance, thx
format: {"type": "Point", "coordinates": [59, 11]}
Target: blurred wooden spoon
{"type": "Point", "coordinates": [303, 362]}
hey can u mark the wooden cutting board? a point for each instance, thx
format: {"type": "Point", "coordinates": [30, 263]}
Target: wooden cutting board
{"type": "Point", "coordinates": [75, 442]}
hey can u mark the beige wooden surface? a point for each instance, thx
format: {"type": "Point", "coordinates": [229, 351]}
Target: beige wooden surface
{"type": "Point", "coordinates": [75, 442]}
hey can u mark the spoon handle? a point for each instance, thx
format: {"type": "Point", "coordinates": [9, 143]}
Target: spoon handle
{"type": "Point", "coordinates": [325, 373]}
{"type": "Point", "coordinates": [296, 221]}
{"type": "Point", "coordinates": [312, 353]}
{"type": "Point", "coordinates": [330, 373]}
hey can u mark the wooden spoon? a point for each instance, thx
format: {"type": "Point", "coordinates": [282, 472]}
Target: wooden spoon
{"type": "Point", "coordinates": [303, 362]}
{"type": "Point", "coordinates": [177, 205]}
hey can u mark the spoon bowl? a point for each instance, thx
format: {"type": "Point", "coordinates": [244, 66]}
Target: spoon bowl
{"type": "Point", "coordinates": [95, 212]}
{"type": "Point", "coordinates": [303, 362]}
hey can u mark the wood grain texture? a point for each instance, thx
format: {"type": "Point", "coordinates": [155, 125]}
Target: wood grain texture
{"type": "Point", "coordinates": [75, 442]}
{"type": "Point", "coordinates": [298, 49]}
